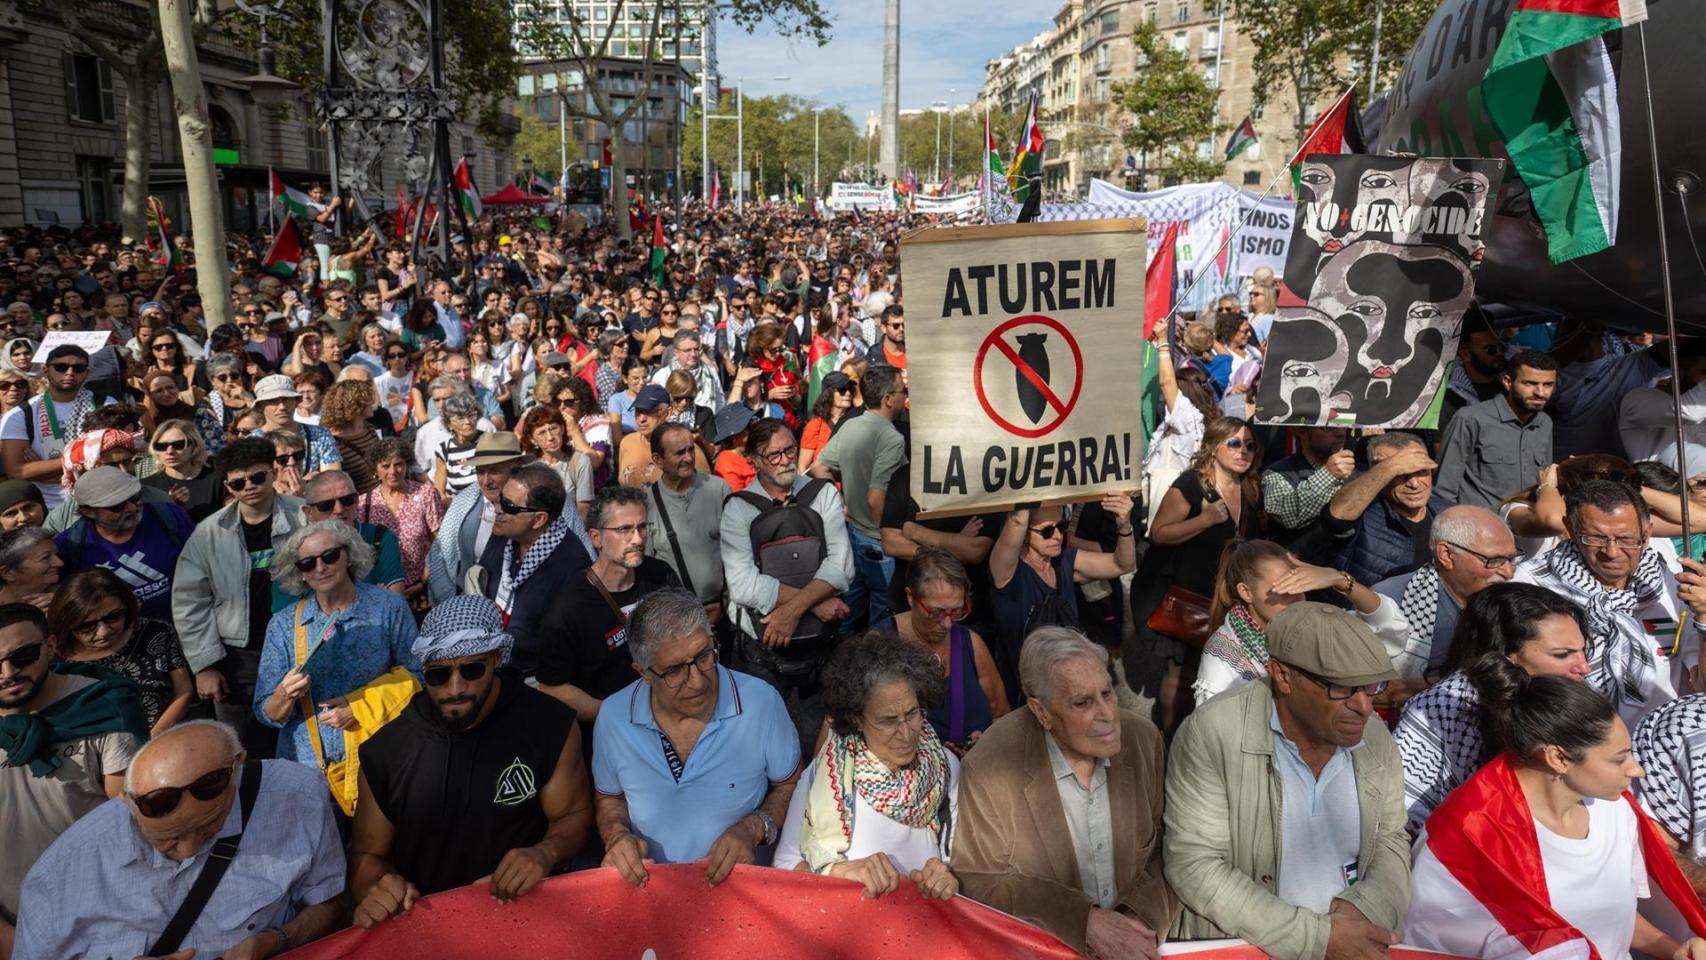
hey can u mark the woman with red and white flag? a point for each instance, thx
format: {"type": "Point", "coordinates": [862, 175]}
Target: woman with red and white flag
{"type": "Point", "coordinates": [1543, 853]}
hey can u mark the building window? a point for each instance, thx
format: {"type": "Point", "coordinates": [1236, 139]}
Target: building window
{"type": "Point", "coordinates": [1101, 89]}
{"type": "Point", "coordinates": [1181, 41]}
{"type": "Point", "coordinates": [1182, 11]}
{"type": "Point", "coordinates": [88, 88]}
{"type": "Point", "coordinates": [93, 176]}
{"type": "Point", "coordinates": [1110, 21]}
{"type": "Point", "coordinates": [1211, 73]}
{"type": "Point", "coordinates": [1211, 42]}
{"type": "Point", "coordinates": [314, 142]}
{"type": "Point", "coordinates": [524, 85]}
{"type": "Point", "coordinates": [1104, 57]}
{"type": "Point", "coordinates": [1150, 13]}
{"type": "Point", "coordinates": [1252, 178]}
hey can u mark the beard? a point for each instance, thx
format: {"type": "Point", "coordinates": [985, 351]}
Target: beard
{"type": "Point", "coordinates": [462, 722]}
{"type": "Point", "coordinates": [19, 695]}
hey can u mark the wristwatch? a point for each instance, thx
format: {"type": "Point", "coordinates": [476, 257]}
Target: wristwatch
{"type": "Point", "coordinates": [769, 826]}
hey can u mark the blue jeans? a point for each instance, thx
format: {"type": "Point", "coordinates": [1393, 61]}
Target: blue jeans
{"type": "Point", "coordinates": [872, 571]}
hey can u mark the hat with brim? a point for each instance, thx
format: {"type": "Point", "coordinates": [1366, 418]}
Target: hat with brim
{"type": "Point", "coordinates": [1329, 642]}
{"type": "Point", "coordinates": [650, 397]}
{"type": "Point", "coordinates": [730, 421]}
{"type": "Point", "coordinates": [496, 448]}
{"type": "Point", "coordinates": [275, 387]}
{"type": "Point", "coordinates": [106, 486]}
{"type": "Point", "coordinates": [555, 359]}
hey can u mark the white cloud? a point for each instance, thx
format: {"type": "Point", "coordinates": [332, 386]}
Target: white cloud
{"type": "Point", "coordinates": [943, 46]}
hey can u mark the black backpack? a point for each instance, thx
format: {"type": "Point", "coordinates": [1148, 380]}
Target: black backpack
{"type": "Point", "coordinates": [788, 544]}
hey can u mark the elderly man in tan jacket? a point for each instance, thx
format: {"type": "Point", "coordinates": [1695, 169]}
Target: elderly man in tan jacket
{"type": "Point", "coordinates": [1060, 808]}
{"type": "Point", "coordinates": [1285, 804]}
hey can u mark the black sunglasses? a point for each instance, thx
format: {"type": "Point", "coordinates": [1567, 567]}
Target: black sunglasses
{"type": "Point", "coordinates": [243, 483]}
{"type": "Point", "coordinates": [159, 803]}
{"type": "Point", "coordinates": [512, 509]}
{"type": "Point", "coordinates": [294, 456]}
{"type": "Point", "coordinates": [68, 367]}
{"type": "Point", "coordinates": [396, 356]}
{"type": "Point", "coordinates": [1048, 530]}
{"type": "Point", "coordinates": [325, 506]}
{"type": "Point", "coordinates": [164, 446]}
{"type": "Point", "coordinates": [328, 558]}
{"type": "Point", "coordinates": [24, 657]}
{"type": "Point", "coordinates": [439, 676]}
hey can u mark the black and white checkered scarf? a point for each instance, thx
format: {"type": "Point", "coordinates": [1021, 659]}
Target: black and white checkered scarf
{"type": "Point", "coordinates": [1620, 655]}
{"type": "Point", "coordinates": [1440, 743]}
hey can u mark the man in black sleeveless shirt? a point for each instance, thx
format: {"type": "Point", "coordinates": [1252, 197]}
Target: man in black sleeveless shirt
{"type": "Point", "coordinates": [481, 775]}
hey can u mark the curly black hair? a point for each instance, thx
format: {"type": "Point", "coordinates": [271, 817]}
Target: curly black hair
{"type": "Point", "coordinates": [864, 663]}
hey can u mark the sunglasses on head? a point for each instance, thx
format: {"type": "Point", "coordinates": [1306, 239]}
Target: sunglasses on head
{"type": "Point", "coordinates": [439, 676]}
{"type": "Point", "coordinates": [326, 505]}
{"type": "Point", "coordinates": [307, 564]}
{"type": "Point", "coordinates": [158, 803]}
{"type": "Point", "coordinates": [239, 484]}
{"type": "Point", "coordinates": [25, 656]}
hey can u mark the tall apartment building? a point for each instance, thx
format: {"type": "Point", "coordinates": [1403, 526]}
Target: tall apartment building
{"type": "Point", "coordinates": [1088, 50]}
{"type": "Point", "coordinates": [697, 28]}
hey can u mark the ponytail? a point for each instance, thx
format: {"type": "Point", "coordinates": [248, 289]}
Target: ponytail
{"type": "Point", "coordinates": [1239, 560]}
{"type": "Point", "coordinates": [1546, 711]}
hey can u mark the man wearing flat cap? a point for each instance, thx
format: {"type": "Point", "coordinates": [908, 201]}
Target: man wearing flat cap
{"type": "Point", "coordinates": [481, 776]}
{"type": "Point", "coordinates": [1285, 803]}
{"type": "Point", "coordinates": [139, 541]}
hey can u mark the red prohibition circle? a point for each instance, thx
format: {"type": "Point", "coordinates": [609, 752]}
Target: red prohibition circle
{"type": "Point", "coordinates": [1037, 319]}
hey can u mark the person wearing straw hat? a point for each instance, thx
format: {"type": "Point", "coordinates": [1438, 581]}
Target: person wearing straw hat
{"type": "Point", "coordinates": [479, 746]}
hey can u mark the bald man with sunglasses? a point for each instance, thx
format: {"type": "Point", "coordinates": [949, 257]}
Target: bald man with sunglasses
{"type": "Point", "coordinates": [117, 884]}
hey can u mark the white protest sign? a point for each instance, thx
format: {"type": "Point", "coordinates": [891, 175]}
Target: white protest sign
{"type": "Point", "coordinates": [89, 340]}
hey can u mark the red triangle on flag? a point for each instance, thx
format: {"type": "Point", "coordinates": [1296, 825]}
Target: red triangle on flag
{"type": "Point", "coordinates": [286, 250]}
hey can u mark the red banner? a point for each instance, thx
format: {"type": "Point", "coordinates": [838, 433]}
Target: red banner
{"type": "Point", "coordinates": [758, 912]}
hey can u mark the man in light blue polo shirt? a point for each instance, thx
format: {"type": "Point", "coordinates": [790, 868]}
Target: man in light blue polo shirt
{"type": "Point", "coordinates": [692, 760]}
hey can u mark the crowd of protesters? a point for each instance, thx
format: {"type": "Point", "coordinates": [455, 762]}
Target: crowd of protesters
{"type": "Point", "coordinates": [567, 562]}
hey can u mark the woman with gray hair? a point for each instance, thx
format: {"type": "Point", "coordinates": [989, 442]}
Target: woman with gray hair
{"type": "Point", "coordinates": [29, 566]}
{"type": "Point", "coordinates": [229, 398]}
{"type": "Point", "coordinates": [336, 665]}
{"type": "Point", "coordinates": [452, 465]}
{"type": "Point", "coordinates": [879, 800]}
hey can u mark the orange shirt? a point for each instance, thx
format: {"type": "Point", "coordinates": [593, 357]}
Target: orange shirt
{"type": "Point", "coordinates": [736, 469]}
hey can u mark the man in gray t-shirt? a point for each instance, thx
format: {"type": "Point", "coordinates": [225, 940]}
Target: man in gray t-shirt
{"type": "Point", "coordinates": [865, 453]}
{"type": "Point", "coordinates": [39, 800]}
{"type": "Point", "coordinates": [692, 504]}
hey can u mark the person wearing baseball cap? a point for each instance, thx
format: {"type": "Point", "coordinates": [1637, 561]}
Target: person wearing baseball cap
{"type": "Point", "coordinates": [1335, 867]}
{"type": "Point", "coordinates": [122, 529]}
{"type": "Point", "coordinates": [651, 406]}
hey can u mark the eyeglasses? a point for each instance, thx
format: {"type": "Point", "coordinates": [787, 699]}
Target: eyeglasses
{"type": "Point", "coordinates": [674, 676]}
{"type": "Point", "coordinates": [512, 509]}
{"type": "Point", "coordinates": [396, 356]}
{"type": "Point", "coordinates": [10, 385]}
{"type": "Point", "coordinates": [1599, 541]}
{"type": "Point", "coordinates": [1238, 443]}
{"type": "Point", "coordinates": [307, 564]}
{"type": "Point", "coordinates": [1339, 691]}
{"type": "Point", "coordinates": [1048, 530]}
{"type": "Point", "coordinates": [158, 803]}
{"type": "Point", "coordinates": [439, 676]}
{"type": "Point", "coordinates": [325, 506]}
{"type": "Point", "coordinates": [68, 367]}
{"type": "Point", "coordinates": [944, 614]}
{"type": "Point", "coordinates": [785, 455]}
{"type": "Point", "coordinates": [111, 621]}
{"type": "Point", "coordinates": [239, 484]}
{"type": "Point", "coordinates": [1491, 563]}
{"type": "Point", "coordinates": [626, 530]}
{"type": "Point", "coordinates": [294, 456]}
{"type": "Point", "coordinates": [888, 726]}
{"type": "Point", "coordinates": [165, 346]}
{"type": "Point", "coordinates": [225, 378]}
{"type": "Point", "coordinates": [25, 656]}
{"type": "Point", "coordinates": [170, 446]}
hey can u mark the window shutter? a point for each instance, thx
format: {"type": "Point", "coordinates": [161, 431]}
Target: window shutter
{"type": "Point", "coordinates": [69, 65]}
{"type": "Point", "coordinates": [108, 114]}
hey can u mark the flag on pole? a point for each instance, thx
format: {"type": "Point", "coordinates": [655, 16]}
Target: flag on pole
{"type": "Point", "coordinates": [1552, 93]}
{"type": "Point", "coordinates": [716, 190]}
{"type": "Point", "coordinates": [166, 253]}
{"type": "Point", "coordinates": [467, 194]}
{"type": "Point", "coordinates": [1158, 281]}
{"type": "Point", "coordinates": [660, 250]}
{"type": "Point", "coordinates": [1026, 168]}
{"type": "Point", "coordinates": [1334, 131]}
{"type": "Point", "coordinates": [821, 360]}
{"type": "Point", "coordinates": [1243, 139]}
{"type": "Point", "coordinates": [286, 250]}
{"type": "Point", "coordinates": [992, 181]}
{"type": "Point", "coordinates": [540, 186]}
{"type": "Point", "coordinates": [289, 197]}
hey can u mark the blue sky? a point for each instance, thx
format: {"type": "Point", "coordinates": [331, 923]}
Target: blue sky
{"type": "Point", "coordinates": [943, 46]}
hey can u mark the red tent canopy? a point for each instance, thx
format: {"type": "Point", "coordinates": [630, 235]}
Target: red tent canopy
{"type": "Point", "coordinates": [511, 196]}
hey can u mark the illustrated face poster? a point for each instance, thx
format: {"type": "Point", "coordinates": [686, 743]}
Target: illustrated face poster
{"type": "Point", "coordinates": [1385, 249]}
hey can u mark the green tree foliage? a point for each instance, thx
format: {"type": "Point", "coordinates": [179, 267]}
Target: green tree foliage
{"type": "Point", "coordinates": [481, 65]}
{"type": "Point", "coordinates": [539, 142]}
{"type": "Point", "coordinates": [1171, 108]}
{"type": "Point", "coordinates": [778, 143]}
{"type": "Point", "coordinates": [1312, 51]}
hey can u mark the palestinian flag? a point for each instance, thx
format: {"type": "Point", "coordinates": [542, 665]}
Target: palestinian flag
{"type": "Point", "coordinates": [1243, 139]}
{"type": "Point", "coordinates": [1334, 131]}
{"type": "Point", "coordinates": [1550, 91]}
{"type": "Point", "coordinates": [660, 248]}
{"type": "Point", "coordinates": [166, 253]}
{"type": "Point", "coordinates": [540, 187]}
{"type": "Point", "coordinates": [287, 196]}
{"type": "Point", "coordinates": [1026, 170]}
{"type": "Point", "coordinates": [285, 252]}
{"type": "Point", "coordinates": [467, 195]}
{"type": "Point", "coordinates": [821, 361]}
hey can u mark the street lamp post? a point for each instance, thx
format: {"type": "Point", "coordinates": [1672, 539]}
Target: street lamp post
{"type": "Point", "coordinates": [936, 172]}
{"type": "Point", "coordinates": [953, 117]}
{"type": "Point", "coordinates": [740, 144]}
{"type": "Point", "coordinates": [816, 144]}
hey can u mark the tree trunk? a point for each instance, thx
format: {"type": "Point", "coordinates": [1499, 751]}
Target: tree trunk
{"type": "Point", "coordinates": [138, 111]}
{"type": "Point", "coordinates": [189, 102]}
{"type": "Point", "coordinates": [618, 184]}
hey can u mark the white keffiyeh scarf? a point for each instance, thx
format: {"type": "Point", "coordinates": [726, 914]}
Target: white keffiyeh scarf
{"type": "Point", "coordinates": [1440, 743]}
{"type": "Point", "coordinates": [1624, 669]}
{"type": "Point", "coordinates": [1420, 605]}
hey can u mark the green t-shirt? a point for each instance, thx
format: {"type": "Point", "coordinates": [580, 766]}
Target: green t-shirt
{"type": "Point", "coordinates": [866, 451]}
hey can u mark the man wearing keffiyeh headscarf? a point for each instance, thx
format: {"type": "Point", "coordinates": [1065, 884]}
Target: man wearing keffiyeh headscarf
{"type": "Point", "coordinates": [481, 776]}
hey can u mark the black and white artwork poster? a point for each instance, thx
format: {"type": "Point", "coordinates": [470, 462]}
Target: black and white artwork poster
{"type": "Point", "coordinates": [1384, 250]}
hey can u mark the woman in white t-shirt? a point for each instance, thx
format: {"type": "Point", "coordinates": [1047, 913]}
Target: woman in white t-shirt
{"type": "Point", "coordinates": [1544, 847]}
{"type": "Point", "coordinates": [1190, 405]}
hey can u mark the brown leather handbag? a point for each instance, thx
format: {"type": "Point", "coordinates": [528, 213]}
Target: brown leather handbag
{"type": "Point", "coordinates": [1183, 615]}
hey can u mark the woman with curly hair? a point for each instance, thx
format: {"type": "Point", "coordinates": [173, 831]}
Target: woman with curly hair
{"type": "Point", "coordinates": [544, 433]}
{"type": "Point", "coordinates": [345, 412]}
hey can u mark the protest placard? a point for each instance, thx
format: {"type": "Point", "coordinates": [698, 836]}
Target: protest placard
{"type": "Point", "coordinates": [89, 340]}
{"type": "Point", "coordinates": [1022, 359]}
{"type": "Point", "coordinates": [1385, 251]}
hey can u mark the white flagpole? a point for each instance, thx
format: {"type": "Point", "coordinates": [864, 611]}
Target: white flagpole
{"type": "Point", "coordinates": [983, 175]}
